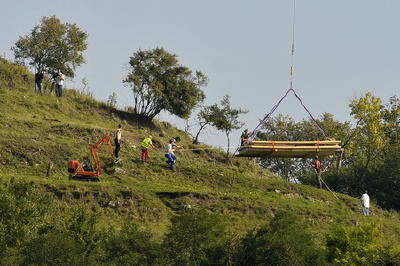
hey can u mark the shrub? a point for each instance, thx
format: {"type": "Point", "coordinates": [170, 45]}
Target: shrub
{"type": "Point", "coordinates": [196, 238]}
{"type": "Point", "coordinates": [53, 248]}
{"type": "Point", "coordinates": [281, 242]}
{"type": "Point", "coordinates": [360, 245]}
{"type": "Point", "coordinates": [130, 247]}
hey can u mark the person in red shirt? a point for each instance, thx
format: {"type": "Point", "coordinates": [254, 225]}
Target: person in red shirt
{"type": "Point", "coordinates": [318, 168]}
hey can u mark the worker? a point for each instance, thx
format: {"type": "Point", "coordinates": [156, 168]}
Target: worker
{"type": "Point", "coordinates": [38, 81]}
{"type": "Point", "coordinates": [117, 141]}
{"type": "Point", "coordinates": [59, 83]}
{"type": "Point", "coordinates": [318, 168]}
{"type": "Point", "coordinates": [169, 153]}
{"type": "Point", "coordinates": [86, 165]}
{"type": "Point", "coordinates": [365, 203]}
{"type": "Point", "coordinates": [144, 146]}
{"type": "Point", "coordinates": [244, 137]}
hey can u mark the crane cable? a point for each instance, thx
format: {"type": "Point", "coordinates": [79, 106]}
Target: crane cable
{"type": "Point", "coordinates": [253, 134]}
{"type": "Point", "coordinates": [293, 35]}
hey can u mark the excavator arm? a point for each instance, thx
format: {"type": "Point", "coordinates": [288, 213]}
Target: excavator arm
{"type": "Point", "coordinates": [95, 149]}
{"type": "Point", "coordinates": [76, 167]}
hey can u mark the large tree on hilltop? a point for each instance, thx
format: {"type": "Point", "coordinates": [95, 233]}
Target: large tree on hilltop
{"type": "Point", "coordinates": [52, 45]}
{"type": "Point", "coordinates": [160, 83]}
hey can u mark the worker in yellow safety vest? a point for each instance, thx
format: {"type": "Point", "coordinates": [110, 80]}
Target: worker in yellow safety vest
{"type": "Point", "coordinates": [145, 145]}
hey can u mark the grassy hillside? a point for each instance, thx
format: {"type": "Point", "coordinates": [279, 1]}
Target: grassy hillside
{"type": "Point", "coordinates": [39, 130]}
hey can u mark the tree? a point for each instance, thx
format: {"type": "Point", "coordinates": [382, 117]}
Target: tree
{"type": "Point", "coordinates": [369, 134]}
{"type": "Point", "coordinates": [227, 118]}
{"type": "Point", "coordinates": [160, 83]}
{"type": "Point", "coordinates": [52, 45]}
{"type": "Point", "coordinates": [207, 116]}
{"type": "Point", "coordinates": [373, 152]}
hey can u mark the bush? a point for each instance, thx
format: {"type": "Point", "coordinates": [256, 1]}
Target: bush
{"type": "Point", "coordinates": [360, 245]}
{"type": "Point", "coordinates": [53, 248]}
{"type": "Point", "coordinates": [196, 238]}
{"type": "Point", "coordinates": [281, 242]}
{"type": "Point", "coordinates": [130, 247]}
{"type": "Point", "coordinates": [22, 209]}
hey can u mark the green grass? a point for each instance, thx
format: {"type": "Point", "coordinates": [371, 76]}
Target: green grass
{"type": "Point", "coordinates": [36, 130]}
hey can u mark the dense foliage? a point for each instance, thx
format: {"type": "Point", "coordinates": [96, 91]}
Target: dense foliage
{"type": "Point", "coordinates": [33, 232]}
{"type": "Point", "coordinates": [284, 241]}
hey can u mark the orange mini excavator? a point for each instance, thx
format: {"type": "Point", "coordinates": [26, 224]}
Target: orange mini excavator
{"type": "Point", "coordinates": [82, 171]}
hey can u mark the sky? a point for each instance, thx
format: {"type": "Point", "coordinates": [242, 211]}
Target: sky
{"type": "Point", "coordinates": [343, 49]}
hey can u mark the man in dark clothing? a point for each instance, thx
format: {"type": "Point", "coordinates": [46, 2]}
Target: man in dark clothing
{"type": "Point", "coordinates": [38, 81]}
{"type": "Point", "coordinates": [244, 137]}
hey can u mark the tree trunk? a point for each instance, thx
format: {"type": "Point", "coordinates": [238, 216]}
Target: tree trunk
{"type": "Point", "coordinates": [196, 139]}
{"type": "Point", "coordinates": [227, 137]}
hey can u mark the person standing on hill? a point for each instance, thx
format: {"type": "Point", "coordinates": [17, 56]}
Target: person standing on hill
{"type": "Point", "coordinates": [117, 141]}
{"type": "Point", "coordinates": [318, 168]}
{"type": "Point", "coordinates": [365, 203]}
{"type": "Point", "coordinates": [38, 81]}
{"type": "Point", "coordinates": [169, 153]}
{"type": "Point", "coordinates": [53, 81]}
{"type": "Point", "coordinates": [145, 145]}
{"type": "Point", "coordinates": [59, 83]}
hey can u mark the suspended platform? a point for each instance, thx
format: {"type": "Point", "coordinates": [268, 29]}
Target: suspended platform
{"type": "Point", "coordinates": [289, 149]}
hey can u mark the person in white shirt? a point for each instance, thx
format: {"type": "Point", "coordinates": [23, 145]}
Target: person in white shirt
{"type": "Point", "coordinates": [59, 83]}
{"type": "Point", "coordinates": [117, 141]}
{"type": "Point", "coordinates": [365, 203]}
{"type": "Point", "coordinates": [169, 153]}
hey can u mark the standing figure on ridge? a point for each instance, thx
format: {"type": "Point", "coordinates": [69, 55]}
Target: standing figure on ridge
{"type": "Point", "coordinates": [59, 83]}
{"type": "Point", "coordinates": [117, 141]}
{"type": "Point", "coordinates": [38, 81]}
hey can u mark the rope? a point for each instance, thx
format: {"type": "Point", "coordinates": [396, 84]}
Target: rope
{"type": "Point", "coordinates": [201, 149]}
{"type": "Point", "coordinates": [328, 188]}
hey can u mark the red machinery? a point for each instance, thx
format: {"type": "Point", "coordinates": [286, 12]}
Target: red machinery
{"type": "Point", "coordinates": [82, 172]}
